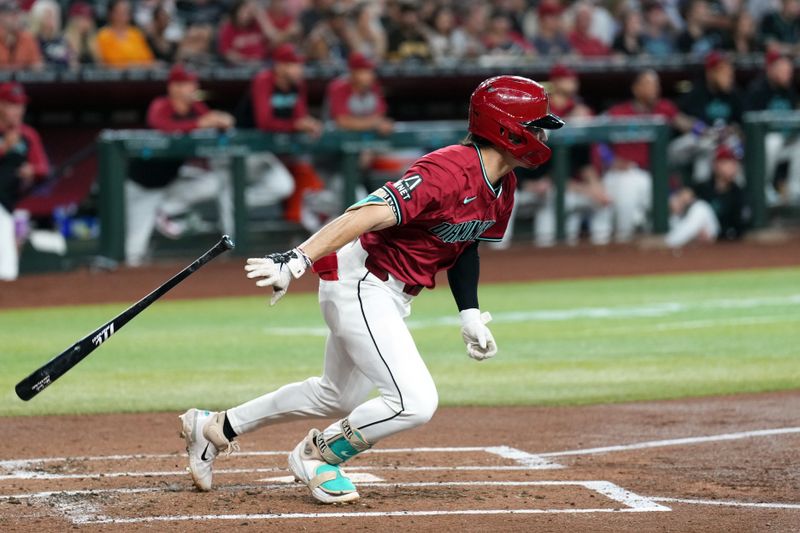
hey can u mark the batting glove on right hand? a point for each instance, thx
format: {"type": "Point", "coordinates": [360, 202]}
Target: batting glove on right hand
{"type": "Point", "coordinates": [277, 270]}
{"type": "Point", "coordinates": [479, 340]}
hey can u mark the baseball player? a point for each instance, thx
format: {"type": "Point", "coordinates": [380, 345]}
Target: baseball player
{"type": "Point", "coordinates": [372, 261]}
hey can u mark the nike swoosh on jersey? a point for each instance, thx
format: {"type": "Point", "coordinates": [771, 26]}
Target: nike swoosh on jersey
{"type": "Point", "coordinates": [468, 199]}
{"type": "Point", "coordinates": [203, 455]}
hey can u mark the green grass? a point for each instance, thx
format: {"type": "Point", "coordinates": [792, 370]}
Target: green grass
{"type": "Point", "coordinates": [660, 337]}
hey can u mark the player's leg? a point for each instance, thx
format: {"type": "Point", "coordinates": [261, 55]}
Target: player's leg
{"type": "Point", "coordinates": [9, 260]}
{"type": "Point", "coordinates": [141, 206]}
{"type": "Point", "coordinates": [207, 433]}
{"type": "Point", "coordinates": [369, 318]}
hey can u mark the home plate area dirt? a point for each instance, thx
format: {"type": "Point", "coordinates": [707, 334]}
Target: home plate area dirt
{"type": "Point", "coordinates": [712, 464]}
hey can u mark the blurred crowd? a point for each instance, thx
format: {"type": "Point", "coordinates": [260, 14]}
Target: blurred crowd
{"type": "Point", "coordinates": [609, 193]}
{"type": "Point", "coordinates": [37, 34]}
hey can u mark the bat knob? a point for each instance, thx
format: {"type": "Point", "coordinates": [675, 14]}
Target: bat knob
{"type": "Point", "coordinates": [227, 242]}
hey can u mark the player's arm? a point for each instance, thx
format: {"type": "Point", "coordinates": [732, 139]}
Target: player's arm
{"type": "Point", "coordinates": [277, 270]}
{"type": "Point", "coordinates": [463, 279]}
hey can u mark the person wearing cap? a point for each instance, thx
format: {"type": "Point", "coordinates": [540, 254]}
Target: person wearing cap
{"type": "Point", "coordinates": [120, 43]}
{"type": "Point", "coordinates": [715, 106]}
{"type": "Point", "coordinates": [724, 194]}
{"type": "Point", "coordinates": [710, 211]}
{"type": "Point", "coordinates": [19, 49]}
{"type": "Point", "coordinates": [627, 178]}
{"type": "Point", "coordinates": [355, 101]}
{"type": "Point", "coordinates": [22, 161]}
{"type": "Point", "coordinates": [159, 191]}
{"type": "Point", "coordinates": [585, 196]}
{"type": "Point", "coordinates": [280, 105]}
{"type": "Point", "coordinates": [775, 91]}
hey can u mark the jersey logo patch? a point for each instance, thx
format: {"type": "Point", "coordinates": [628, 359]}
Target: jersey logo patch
{"type": "Point", "coordinates": [468, 199]}
{"type": "Point", "coordinates": [461, 232]}
{"type": "Point", "coordinates": [406, 185]}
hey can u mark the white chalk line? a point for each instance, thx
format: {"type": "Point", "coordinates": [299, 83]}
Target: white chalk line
{"type": "Point", "coordinates": [28, 475]}
{"type": "Point", "coordinates": [556, 315]}
{"type": "Point", "coordinates": [86, 512]}
{"type": "Point", "coordinates": [526, 461]}
{"type": "Point", "coordinates": [675, 442]}
{"type": "Point", "coordinates": [21, 463]}
{"type": "Point", "coordinates": [728, 503]}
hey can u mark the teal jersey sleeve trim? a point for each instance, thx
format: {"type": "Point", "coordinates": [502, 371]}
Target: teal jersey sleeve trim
{"type": "Point", "coordinates": [391, 199]}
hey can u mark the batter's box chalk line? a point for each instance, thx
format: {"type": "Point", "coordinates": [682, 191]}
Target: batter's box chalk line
{"type": "Point", "coordinates": [19, 469]}
{"type": "Point", "coordinates": [76, 506]}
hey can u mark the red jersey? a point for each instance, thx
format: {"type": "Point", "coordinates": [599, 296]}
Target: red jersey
{"type": "Point", "coordinates": [248, 42]}
{"type": "Point", "coordinates": [588, 46]}
{"type": "Point", "coordinates": [163, 117]}
{"type": "Point", "coordinates": [27, 149]}
{"type": "Point", "coordinates": [276, 110]}
{"type": "Point", "coordinates": [443, 203]}
{"type": "Point", "coordinates": [639, 153]}
{"type": "Point", "coordinates": [343, 99]}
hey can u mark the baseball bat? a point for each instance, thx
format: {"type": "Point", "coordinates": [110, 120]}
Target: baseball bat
{"type": "Point", "coordinates": [63, 362]}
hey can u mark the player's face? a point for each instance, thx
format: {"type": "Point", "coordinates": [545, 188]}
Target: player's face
{"type": "Point", "coordinates": [185, 91]}
{"type": "Point", "coordinates": [722, 76]}
{"type": "Point", "coordinates": [291, 72]}
{"type": "Point", "coordinates": [566, 86]}
{"type": "Point", "coordinates": [647, 89]}
{"type": "Point", "coordinates": [363, 78]}
{"type": "Point", "coordinates": [12, 114]}
{"type": "Point", "coordinates": [781, 72]}
{"type": "Point", "coordinates": [726, 169]}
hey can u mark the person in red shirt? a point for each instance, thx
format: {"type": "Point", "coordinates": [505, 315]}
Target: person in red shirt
{"type": "Point", "coordinates": [280, 105]}
{"type": "Point", "coordinates": [22, 161]}
{"type": "Point", "coordinates": [159, 191]}
{"type": "Point", "coordinates": [244, 38]}
{"type": "Point", "coordinates": [627, 179]}
{"type": "Point", "coordinates": [372, 261]}
{"type": "Point", "coordinates": [580, 37]}
{"type": "Point", "coordinates": [585, 196]}
{"type": "Point", "coordinates": [355, 101]}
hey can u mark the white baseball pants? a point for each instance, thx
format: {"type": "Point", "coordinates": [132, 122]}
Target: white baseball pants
{"type": "Point", "coordinates": [369, 347]}
{"type": "Point", "coordinates": [194, 185]}
{"type": "Point", "coordinates": [699, 222]}
{"type": "Point", "coordinates": [631, 191]}
{"type": "Point", "coordinates": [9, 258]}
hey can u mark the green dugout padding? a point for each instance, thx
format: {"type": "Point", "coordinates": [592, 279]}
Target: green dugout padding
{"type": "Point", "coordinates": [117, 146]}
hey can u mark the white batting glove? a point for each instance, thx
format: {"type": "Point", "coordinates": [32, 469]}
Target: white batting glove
{"type": "Point", "coordinates": [479, 340]}
{"type": "Point", "coordinates": [277, 269]}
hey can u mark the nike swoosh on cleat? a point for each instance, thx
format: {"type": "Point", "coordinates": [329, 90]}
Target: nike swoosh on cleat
{"type": "Point", "coordinates": [203, 456]}
{"type": "Point", "coordinates": [469, 199]}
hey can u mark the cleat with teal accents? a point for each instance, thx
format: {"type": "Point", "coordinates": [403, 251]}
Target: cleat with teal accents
{"type": "Point", "coordinates": [328, 483]}
{"type": "Point", "coordinates": [202, 431]}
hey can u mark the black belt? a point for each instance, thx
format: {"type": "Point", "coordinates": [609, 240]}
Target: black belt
{"type": "Point", "coordinates": [383, 275]}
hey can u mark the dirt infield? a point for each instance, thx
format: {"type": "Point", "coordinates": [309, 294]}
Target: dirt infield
{"type": "Point", "coordinates": [225, 276]}
{"type": "Point", "coordinates": [715, 464]}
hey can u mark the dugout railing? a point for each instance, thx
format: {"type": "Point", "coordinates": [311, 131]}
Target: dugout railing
{"type": "Point", "coordinates": [116, 147]}
{"type": "Point", "coordinates": [757, 124]}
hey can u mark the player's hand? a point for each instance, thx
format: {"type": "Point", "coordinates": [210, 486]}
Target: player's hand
{"type": "Point", "coordinates": [277, 270]}
{"type": "Point", "coordinates": [479, 340]}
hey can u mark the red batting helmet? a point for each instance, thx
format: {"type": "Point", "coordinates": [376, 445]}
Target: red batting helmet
{"type": "Point", "coordinates": [506, 109]}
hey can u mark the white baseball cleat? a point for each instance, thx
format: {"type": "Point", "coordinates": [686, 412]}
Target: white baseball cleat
{"type": "Point", "coordinates": [204, 437]}
{"type": "Point", "coordinates": [328, 483]}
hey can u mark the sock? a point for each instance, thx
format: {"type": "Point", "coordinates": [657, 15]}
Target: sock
{"type": "Point", "coordinates": [227, 430]}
